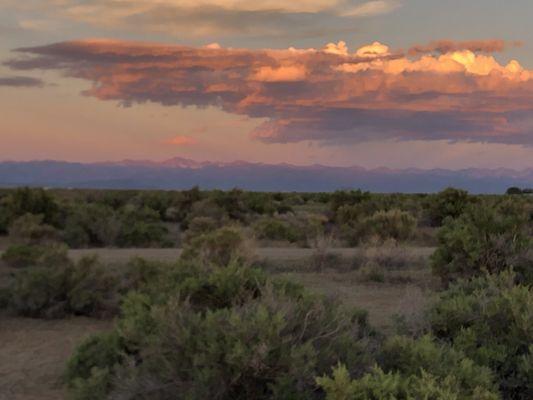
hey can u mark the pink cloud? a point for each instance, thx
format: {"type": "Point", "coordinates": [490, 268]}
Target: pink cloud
{"type": "Point", "coordinates": [181, 141]}
{"type": "Point", "coordinates": [454, 91]}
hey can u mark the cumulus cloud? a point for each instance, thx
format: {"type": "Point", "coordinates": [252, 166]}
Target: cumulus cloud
{"type": "Point", "coordinates": [21, 81]}
{"type": "Point", "coordinates": [331, 95]}
{"type": "Point", "coordinates": [212, 17]}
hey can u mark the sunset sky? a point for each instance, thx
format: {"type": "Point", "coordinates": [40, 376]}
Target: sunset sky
{"type": "Point", "coordinates": [394, 83]}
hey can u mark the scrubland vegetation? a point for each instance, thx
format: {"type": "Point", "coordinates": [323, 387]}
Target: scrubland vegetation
{"type": "Point", "coordinates": [223, 322]}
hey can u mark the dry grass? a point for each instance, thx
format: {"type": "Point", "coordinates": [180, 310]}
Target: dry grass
{"type": "Point", "coordinates": [33, 354]}
{"type": "Point", "coordinates": [382, 300]}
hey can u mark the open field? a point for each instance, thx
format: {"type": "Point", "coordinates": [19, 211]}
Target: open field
{"type": "Point", "coordinates": [171, 282]}
{"type": "Point", "coordinates": [38, 349]}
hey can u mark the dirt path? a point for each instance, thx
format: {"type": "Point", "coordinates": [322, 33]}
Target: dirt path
{"type": "Point", "coordinates": [33, 354]}
{"type": "Point", "coordinates": [272, 253]}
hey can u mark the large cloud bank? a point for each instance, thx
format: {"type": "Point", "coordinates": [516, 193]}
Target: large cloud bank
{"type": "Point", "coordinates": [454, 91]}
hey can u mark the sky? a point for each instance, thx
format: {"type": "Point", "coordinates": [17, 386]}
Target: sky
{"type": "Point", "coordinates": [373, 83]}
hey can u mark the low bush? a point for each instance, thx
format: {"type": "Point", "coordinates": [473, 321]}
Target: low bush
{"type": "Point", "coordinates": [450, 203]}
{"type": "Point", "coordinates": [21, 256]}
{"type": "Point", "coordinates": [323, 258]}
{"type": "Point", "coordinates": [30, 229]}
{"type": "Point", "coordinates": [88, 371]}
{"type": "Point", "coordinates": [225, 333]}
{"type": "Point", "coordinates": [490, 319]}
{"type": "Point", "coordinates": [389, 255]}
{"type": "Point", "coordinates": [72, 289]}
{"type": "Point", "coordinates": [219, 247]}
{"type": "Point", "coordinates": [275, 229]}
{"type": "Point", "coordinates": [371, 273]}
{"type": "Point", "coordinates": [200, 226]}
{"type": "Point", "coordinates": [141, 228]}
{"type": "Point", "coordinates": [392, 224]}
{"type": "Point", "coordinates": [483, 239]}
{"type": "Point", "coordinates": [414, 369]}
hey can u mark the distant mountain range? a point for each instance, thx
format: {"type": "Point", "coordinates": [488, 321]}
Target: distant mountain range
{"type": "Point", "coordinates": [180, 173]}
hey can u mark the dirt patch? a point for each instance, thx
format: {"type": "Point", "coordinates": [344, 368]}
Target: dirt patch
{"type": "Point", "coordinates": [272, 253]}
{"type": "Point", "coordinates": [382, 301]}
{"type": "Point", "coordinates": [33, 354]}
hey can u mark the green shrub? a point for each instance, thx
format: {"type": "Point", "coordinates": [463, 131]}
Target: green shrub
{"type": "Point", "coordinates": [275, 229]}
{"type": "Point", "coordinates": [5, 216]}
{"type": "Point", "coordinates": [5, 295]}
{"type": "Point", "coordinates": [450, 203]}
{"type": "Point", "coordinates": [226, 333]}
{"type": "Point", "coordinates": [414, 369]}
{"type": "Point", "coordinates": [347, 198]}
{"type": "Point", "coordinates": [141, 228]}
{"type": "Point", "coordinates": [33, 201]}
{"type": "Point", "coordinates": [371, 273]}
{"type": "Point", "coordinates": [139, 273]}
{"type": "Point", "coordinates": [21, 256]}
{"type": "Point", "coordinates": [482, 239]}
{"type": "Point", "coordinates": [73, 289]}
{"type": "Point", "coordinates": [490, 319]}
{"type": "Point", "coordinates": [378, 385]}
{"type": "Point", "coordinates": [219, 247]}
{"type": "Point", "coordinates": [200, 226]}
{"type": "Point", "coordinates": [88, 374]}
{"type": "Point", "coordinates": [30, 229]}
{"type": "Point", "coordinates": [91, 224]}
{"type": "Point", "coordinates": [392, 224]}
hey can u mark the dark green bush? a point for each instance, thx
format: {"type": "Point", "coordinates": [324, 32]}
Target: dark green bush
{"type": "Point", "coordinates": [88, 372]}
{"type": "Point", "coordinates": [482, 239]}
{"type": "Point", "coordinates": [199, 226]}
{"type": "Point", "coordinates": [379, 385]}
{"type": "Point", "coordinates": [219, 247]}
{"type": "Point", "coordinates": [275, 229]}
{"type": "Point", "coordinates": [91, 224]}
{"type": "Point", "coordinates": [21, 256]}
{"type": "Point", "coordinates": [141, 228]}
{"type": "Point", "coordinates": [391, 224]}
{"type": "Point", "coordinates": [490, 319]}
{"type": "Point", "coordinates": [72, 289]}
{"type": "Point", "coordinates": [347, 198]}
{"type": "Point", "coordinates": [450, 203]}
{"type": "Point", "coordinates": [226, 333]}
{"type": "Point", "coordinates": [33, 201]}
{"type": "Point", "coordinates": [415, 369]}
{"type": "Point", "coordinates": [30, 229]}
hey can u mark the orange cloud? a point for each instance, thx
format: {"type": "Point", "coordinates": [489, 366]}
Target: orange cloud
{"type": "Point", "coordinates": [182, 141]}
{"type": "Point", "coordinates": [291, 73]}
{"type": "Point", "coordinates": [456, 92]}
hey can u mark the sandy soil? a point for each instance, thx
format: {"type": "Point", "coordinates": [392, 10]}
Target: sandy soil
{"type": "Point", "coordinates": [273, 253]}
{"type": "Point", "coordinates": [33, 354]}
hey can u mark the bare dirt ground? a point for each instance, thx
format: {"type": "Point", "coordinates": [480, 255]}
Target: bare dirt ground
{"type": "Point", "coordinates": [33, 354]}
{"type": "Point", "coordinates": [382, 300]}
{"type": "Point", "coordinates": [271, 253]}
